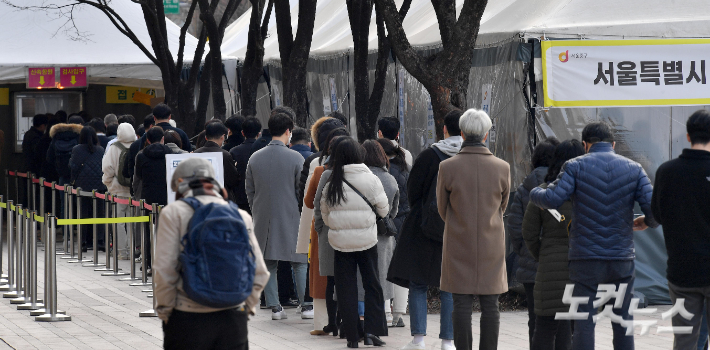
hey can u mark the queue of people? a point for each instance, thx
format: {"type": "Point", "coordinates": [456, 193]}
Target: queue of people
{"type": "Point", "coordinates": [355, 234]}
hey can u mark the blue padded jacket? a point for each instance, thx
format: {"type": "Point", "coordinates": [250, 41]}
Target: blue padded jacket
{"type": "Point", "coordinates": [603, 187]}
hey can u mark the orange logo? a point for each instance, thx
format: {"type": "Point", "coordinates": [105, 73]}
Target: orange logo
{"type": "Point", "coordinates": [564, 57]}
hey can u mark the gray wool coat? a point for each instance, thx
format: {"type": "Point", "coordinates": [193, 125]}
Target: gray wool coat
{"type": "Point", "coordinates": [272, 178]}
{"type": "Point", "coordinates": [326, 253]}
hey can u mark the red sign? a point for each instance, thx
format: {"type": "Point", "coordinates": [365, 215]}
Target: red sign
{"type": "Point", "coordinates": [40, 78]}
{"type": "Point", "coordinates": [70, 77]}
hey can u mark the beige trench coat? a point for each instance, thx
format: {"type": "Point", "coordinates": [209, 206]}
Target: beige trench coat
{"type": "Point", "coordinates": [472, 194]}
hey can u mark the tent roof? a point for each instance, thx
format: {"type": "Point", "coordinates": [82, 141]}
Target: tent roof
{"type": "Point", "coordinates": [501, 20]}
{"type": "Point", "coordinates": [46, 38]}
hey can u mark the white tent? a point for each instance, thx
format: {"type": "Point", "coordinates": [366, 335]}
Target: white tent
{"type": "Point", "coordinates": [36, 38]}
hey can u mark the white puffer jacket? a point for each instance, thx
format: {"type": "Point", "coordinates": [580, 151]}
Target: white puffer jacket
{"type": "Point", "coordinates": [352, 222]}
{"type": "Point", "coordinates": [109, 165]}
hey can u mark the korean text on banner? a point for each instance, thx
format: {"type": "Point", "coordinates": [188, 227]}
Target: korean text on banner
{"type": "Point", "coordinates": [593, 73]}
{"type": "Point", "coordinates": [38, 78]}
{"type": "Point", "coordinates": [72, 76]}
{"type": "Point", "coordinates": [173, 160]}
{"type": "Point", "coordinates": [127, 94]}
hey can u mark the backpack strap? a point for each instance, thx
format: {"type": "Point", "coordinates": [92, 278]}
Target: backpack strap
{"type": "Point", "coordinates": [440, 154]}
{"type": "Point", "coordinates": [121, 146]}
{"type": "Point", "coordinates": [193, 202]}
{"type": "Point", "coordinates": [363, 197]}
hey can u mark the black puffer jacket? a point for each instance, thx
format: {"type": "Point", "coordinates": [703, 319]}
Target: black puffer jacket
{"type": "Point", "coordinates": [64, 138]}
{"type": "Point", "coordinates": [527, 265]}
{"type": "Point", "coordinates": [86, 168]}
{"type": "Point", "coordinates": [402, 176]}
{"type": "Point", "coordinates": [548, 242]}
{"type": "Point", "coordinates": [150, 170]}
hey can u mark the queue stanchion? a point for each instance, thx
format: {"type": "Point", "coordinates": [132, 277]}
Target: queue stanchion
{"type": "Point", "coordinates": [79, 234]}
{"type": "Point", "coordinates": [17, 188]}
{"type": "Point", "coordinates": [95, 260]}
{"type": "Point", "coordinates": [65, 238]}
{"type": "Point", "coordinates": [23, 296]}
{"type": "Point", "coordinates": [28, 182]}
{"type": "Point", "coordinates": [153, 219]}
{"type": "Point", "coordinates": [47, 267]}
{"type": "Point", "coordinates": [107, 237]}
{"type": "Point", "coordinates": [17, 249]}
{"type": "Point", "coordinates": [3, 277]}
{"type": "Point", "coordinates": [114, 251]}
{"type": "Point", "coordinates": [31, 303]}
{"type": "Point", "coordinates": [51, 314]}
{"type": "Point", "coordinates": [69, 228]}
{"type": "Point", "coordinates": [10, 285]}
{"type": "Point", "coordinates": [131, 243]}
{"type": "Point", "coordinates": [41, 209]}
{"type": "Point", "coordinates": [144, 261]}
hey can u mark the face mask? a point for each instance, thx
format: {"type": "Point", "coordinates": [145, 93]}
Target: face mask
{"type": "Point", "coordinates": [290, 135]}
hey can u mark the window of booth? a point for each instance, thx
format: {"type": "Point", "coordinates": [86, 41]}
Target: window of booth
{"type": "Point", "coordinates": [29, 104]}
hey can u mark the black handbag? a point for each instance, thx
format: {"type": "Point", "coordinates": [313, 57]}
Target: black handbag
{"type": "Point", "coordinates": [385, 225]}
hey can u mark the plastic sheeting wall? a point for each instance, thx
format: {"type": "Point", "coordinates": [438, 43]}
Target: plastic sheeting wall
{"type": "Point", "coordinates": [648, 135]}
{"type": "Point", "coordinates": [328, 80]}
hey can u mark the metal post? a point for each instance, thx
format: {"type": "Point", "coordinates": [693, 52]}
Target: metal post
{"type": "Point", "coordinates": [60, 251]}
{"type": "Point", "coordinates": [41, 208]}
{"type": "Point", "coordinates": [144, 243]}
{"type": "Point", "coordinates": [153, 220]}
{"type": "Point", "coordinates": [79, 235]}
{"type": "Point", "coordinates": [95, 261]}
{"type": "Point", "coordinates": [107, 240]}
{"type": "Point", "coordinates": [24, 272]}
{"type": "Point", "coordinates": [3, 277]}
{"type": "Point", "coordinates": [17, 280]}
{"type": "Point", "coordinates": [10, 286]}
{"type": "Point", "coordinates": [131, 243]}
{"type": "Point", "coordinates": [28, 180]}
{"type": "Point", "coordinates": [69, 228]}
{"type": "Point", "coordinates": [17, 188]}
{"type": "Point", "coordinates": [115, 271]}
{"type": "Point", "coordinates": [65, 240]}
{"type": "Point", "coordinates": [52, 315]}
{"type": "Point", "coordinates": [31, 290]}
{"type": "Point", "coordinates": [42, 311]}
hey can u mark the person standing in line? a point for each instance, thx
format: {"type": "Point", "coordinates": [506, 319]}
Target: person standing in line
{"type": "Point", "coordinates": [172, 140]}
{"type": "Point", "coordinates": [186, 323]}
{"type": "Point", "coordinates": [111, 166]}
{"type": "Point", "coordinates": [300, 142]}
{"type": "Point", "coordinates": [100, 129]}
{"type": "Point", "coordinates": [271, 186]}
{"type": "Point", "coordinates": [388, 128]}
{"type": "Point", "coordinates": [235, 136]}
{"type": "Point", "coordinates": [472, 193]}
{"type": "Point", "coordinates": [353, 235]}
{"type": "Point", "coordinates": [215, 134]}
{"type": "Point", "coordinates": [85, 164]}
{"type": "Point", "coordinates": [416, 263]}
{"type": "Point", "coordinates": [29, 144]}
{"type": "Point", "coordinates": [137, 146]}
{"type": "Point", "coordinates": [541, 158]}
{"type": "Point", "coordinates": [681, 204]}
{"type": "Point", "coordinates": [603, 187]}
{"type": "Point", "coordinates": [547, 240]}
{"type": "Point", "coordinates": [250, 130]}
{"type": "Point", "coordinates": [126, 118]}
{"type": "Point", "coordinates": [398, 170]}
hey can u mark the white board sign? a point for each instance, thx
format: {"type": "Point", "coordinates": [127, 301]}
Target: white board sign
{"type": "Point", "coordinates": [172, 161]}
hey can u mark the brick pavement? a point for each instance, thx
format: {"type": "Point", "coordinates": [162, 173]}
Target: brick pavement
{"type": "Point", "coordinates": [105, 311]}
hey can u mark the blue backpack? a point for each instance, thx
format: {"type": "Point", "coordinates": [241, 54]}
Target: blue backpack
{"type": "Point", "coordinates": [217, 260]}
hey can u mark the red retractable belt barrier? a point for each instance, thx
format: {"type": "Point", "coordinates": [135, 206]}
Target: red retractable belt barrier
{"type": "Point", "coordinates": [100, 196]}
{"type": "Point", "coordinates": [60, 188]}
{"type": "Point", "coordinates": [35, 181]}
{"type": "Point", "coordinates": [136, 203]}
{"type": "Point", "coordinates": [148, 206]}
{"type": "Point", "coordinates": [73, 191]}
{"type": "Point", "coordinates": [22, 175]}
{"type": "Point", "coordinates": [48, 184]}
{"type": "Point", "coordinates": [121, 201]}
{"type": "Point", "coordinates": [11, 173]}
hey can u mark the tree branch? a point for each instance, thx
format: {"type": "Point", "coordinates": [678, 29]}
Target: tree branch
{"type": "Point", "coordinates": [446, 17]}
{"type": "Point", "coordinates": [265, 23]}
{"type": "Point", "coordinates": [284, 30]}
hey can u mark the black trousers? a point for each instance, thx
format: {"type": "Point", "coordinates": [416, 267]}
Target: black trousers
{"type": "Point", "coordinates": [87, 231]}
{"type": "Point", "coordinates": [330, 303]}
{"type": "Point", "coordinates": [287, 289]}
{"type": "Point", "coordinates": [490, 321]}
{"type": "Point", "coordinates": [213, 330]}
{"type": "Point", "coordinates": [346, 265]}
{"type": "Point", "coordinates": [530, 298]}
{"type": "Point", "coordinates": [551, 334]}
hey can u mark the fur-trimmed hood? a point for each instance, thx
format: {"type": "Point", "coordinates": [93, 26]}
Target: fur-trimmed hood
{"type": "Point", "coordinates": [61, 127]}
{"type": "Point", "coordinates": [314, 130]}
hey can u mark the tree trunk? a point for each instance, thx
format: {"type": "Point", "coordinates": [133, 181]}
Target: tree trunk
{"type": "Point", "coordinates": [204, 96]}
{"type": "Point", "coordinates": [360, 12]}
{"type": "Point", "coordinates": [253, 67]}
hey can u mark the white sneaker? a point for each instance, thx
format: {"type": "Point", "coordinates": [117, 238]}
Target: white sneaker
{"type": "Point", "coordinates": [389, 317]}
{"type": "Point", "coordinates": [278, 313]}
{"type": "Point", "coordinates": [449, 346]}
{"type": "Point", "coordinates": [307, 312]}
{"type": "Point", "coordinates": [414, 346]}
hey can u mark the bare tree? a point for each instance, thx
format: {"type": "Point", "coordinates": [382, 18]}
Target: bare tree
{"type": "Point", "coordinates": [179, 93]}
{"type": "Point", "coordinates": [294, 54]}
{"type": "Point", "coordinates": [367, 104]}
{"type": "Point", "coordinates": [444, 74]}
{"type": "Point", "coordinates": [254, 59]}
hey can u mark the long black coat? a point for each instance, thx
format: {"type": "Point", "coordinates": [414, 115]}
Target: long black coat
{"type": "Point", "coordinates": [33, 161]}
{"type": "Point", "coordinates": [86, 168]}
{"type": "Point", "coordinates": [150, 170]}
{"type": "Point", "coordinates": [241, 155]}
{"type": "Point", "coordinates": [402, 176]}
{"type": "Point", "coordinates": [231, 175]}
{"type": "Point", "coordinates": [416, 257]}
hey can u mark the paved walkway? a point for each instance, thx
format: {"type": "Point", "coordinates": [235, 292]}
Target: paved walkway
{"type": "Point", "coordinates": [105, 311]}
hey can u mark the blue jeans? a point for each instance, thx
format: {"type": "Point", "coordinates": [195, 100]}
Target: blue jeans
{"type": "Point", "coordinates": [418, 311]}
{"type": "Point", "coordinates": [271, 290]}
{"type": "Point", "coordinates": [587, 275]}
{"type": "Point", "coordinates": [703, 338]}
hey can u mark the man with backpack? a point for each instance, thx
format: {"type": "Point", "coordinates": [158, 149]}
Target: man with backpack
{"type": "Point", "coordinates": [117, 184]}
{"type": "Point", "coordinates": [199, 314]}
{"type": "Point", "coordinates": [416, 263]}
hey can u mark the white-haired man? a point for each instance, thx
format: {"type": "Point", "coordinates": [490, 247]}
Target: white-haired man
{"type": "Point", "coordinates": [472, 194]}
